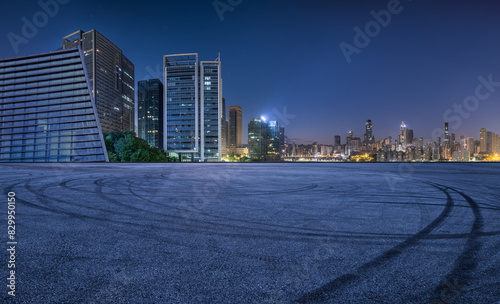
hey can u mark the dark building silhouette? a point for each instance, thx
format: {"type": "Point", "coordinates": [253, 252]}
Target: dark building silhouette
{"type": "Point", "coordinates": [368, 140]}
{"type": "Point", "coordinates": [235, 127]}
{"type": "Point", "coordinates": [150, 111]}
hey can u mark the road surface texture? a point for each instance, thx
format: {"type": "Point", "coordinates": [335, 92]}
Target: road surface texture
{"type": "Point", "coordinates": [254, 233]}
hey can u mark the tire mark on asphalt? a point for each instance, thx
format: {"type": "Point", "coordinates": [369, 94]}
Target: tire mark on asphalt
{"type": "Point", "coordinates": [321, 293]}
{"type": "Point", "coordinates": [214, 228]}
{"type": "Point", "coordinates": [202, 226]}
{"type": "Point", "coordinates": [466, 263]}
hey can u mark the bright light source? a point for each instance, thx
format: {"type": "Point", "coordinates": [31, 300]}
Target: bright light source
{"type": "Point", "coordinates": [263, 118]}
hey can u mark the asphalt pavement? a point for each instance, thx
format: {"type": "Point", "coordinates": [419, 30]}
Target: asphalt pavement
{"type": "Point", "coordinates": [253, 233]}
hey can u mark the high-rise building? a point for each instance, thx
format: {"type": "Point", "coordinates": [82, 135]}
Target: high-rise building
{"type": "Point", "coordinates": [368, 135]}
{"type": "Point", "coordinates": [402, 143]}
{"type": "Point", "coordinates": [348, 144]}
{"type": "Point", "coordinates": [470, 145]}
{"type": "Point", "coordinates": [224, 129]}
{"type": "Point", "coordinates": [409, 138]}
{"type": "Point", "coordinates": [111, 77]}
{"type": "Point", "coordinates": [483, 145]}
{"type": "Point", "coordinates": [447, 145]}
{"type": "Point", "coordinates": [235, 127]}
{"type": "Point", "coordinates": [257, 134]}
{"type": "Point", "coordinates": [446, 130]}
{"type": "Point", "coordinates": [273, 142]}
{"type": "Point", "coordinates": [193, 107]}
{"type": "Point", "coordinates": [337, 148]}
{"type": "Point", "coordinates": [337, 140]}
{"type": "Point", "coordinates": [47, 111]}
{"type": "Point", "coordinates": [150, 111]}
{"type": "Point", "coordinates": [495, 143]}
{"type": "Point", "coordinates": [489, 142]}
{"type": "Point", "coordinates": [356, 144]}
{"type": "Point", "coordinates": [282, 142]}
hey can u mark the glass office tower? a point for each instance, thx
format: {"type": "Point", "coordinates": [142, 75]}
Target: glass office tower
{"type": "Point", "coordinates": [111, 77]}
{"type": "Point", "coordinates": [273, 152]}
{"type": "Point", "coordinates": [193, 107]}
{"type": "Point", "coordinates": [257, 138]}
{"type": "Point", "coordinates": [150, 111]}
{"type": "Point", "coordinates": [211, 112]}
{"type": "Point", "coordinates": [47, 111]}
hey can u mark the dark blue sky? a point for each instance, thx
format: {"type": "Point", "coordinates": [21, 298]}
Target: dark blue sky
{"type": "Point", "coordinates": [278, 54]}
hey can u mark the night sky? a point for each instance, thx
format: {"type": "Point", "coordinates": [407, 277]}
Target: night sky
{"type": "Point", "coordinates": [278, 54]}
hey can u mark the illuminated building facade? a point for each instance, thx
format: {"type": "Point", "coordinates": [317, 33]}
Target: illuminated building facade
{"type": "Point", "coordinates": [402, 143]}
{"type": "Point", "coordinates": [447, 149]}
{"type": "Point", "coordinates": [150, 111]}
{"type": "Point", "coordinates": [111, 77]}
{"type": "Point", "coordinates": [273, 151]}
{"type": "Point", "coordinates": [47, 111]}
{"type": "Point", "coordinates": [257, 134]}
{"type": "Point", "coordinates": [282, 142]}
{"type": "Point", "coordinates": [193, 107]}
{"type": "Point", "coordinates": [368, 142]}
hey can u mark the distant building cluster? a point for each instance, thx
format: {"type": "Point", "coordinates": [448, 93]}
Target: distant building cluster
{"type": "Point", "coordinates": [405, 148]}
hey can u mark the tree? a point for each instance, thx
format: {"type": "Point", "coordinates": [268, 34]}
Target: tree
{"type": "Point", "coordinates": [126, 147]}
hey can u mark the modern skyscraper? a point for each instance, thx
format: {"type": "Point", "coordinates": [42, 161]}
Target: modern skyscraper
{"type": "Point", "coordinates": [193, 107]}
{"type": "Point", "coordinates": [282, 142]}
{"type": "Point", "coordinates": [47, 111]}
{"type": "Point", "coordinates": [368, 140]}
{"type": "Point", "coordinates": [111, 77]}
{"type": "Point", "coordinates": [235, 127]}
{"type": "Point", "coordinates": [337, 140]}
{"type": "Point", "coordinates": [470, 145]}
{"type": "Point", "coordinates": [409, 137]}
{"type": "Point", "coordinates": [402, 143]}
{"type": "Point", "coordinates": [447, 146]}
{"type": "Point", "coordinates": [495, 143]}
{"type": "Point", "coordinates": [150, 111]}
{"type": "Point", "coordinates": [489, 142]}
{"type": "Point", "coordinates": [348, 144]}
{"type": "Point", "coordinates": [446, 130]}
{"type": "Point", "coordinates": [273, 151]}
{"type": "Point", "coordinates": [257, 134]}
{"type": "Point", "coordinates": [224, 129]}
{"type": "Point", "coordinates": [483, 145]}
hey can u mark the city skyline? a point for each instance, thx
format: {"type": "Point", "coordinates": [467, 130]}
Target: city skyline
{"type": "Point", "coordinates": [335, 96]}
